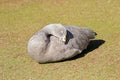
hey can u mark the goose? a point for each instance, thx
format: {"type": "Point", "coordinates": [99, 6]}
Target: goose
{"type": "Point", "coordinates": [56, 42]}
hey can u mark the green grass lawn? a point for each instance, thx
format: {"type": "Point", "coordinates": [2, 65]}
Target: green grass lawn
{"type": "Point", "coordinates": [20, 19]}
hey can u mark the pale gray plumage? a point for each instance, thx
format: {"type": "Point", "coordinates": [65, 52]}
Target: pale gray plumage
{"type": "Point", "coordinates": [48, 44]}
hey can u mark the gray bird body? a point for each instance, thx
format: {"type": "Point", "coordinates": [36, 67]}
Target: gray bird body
{"type": "Point", "coordinates": [45, 47]}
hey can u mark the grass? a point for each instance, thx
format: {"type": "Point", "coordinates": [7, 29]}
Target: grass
{"type": "Point", "coordinates": [20, 19]}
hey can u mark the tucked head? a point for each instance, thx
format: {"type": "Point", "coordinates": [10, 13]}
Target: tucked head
{"type": "Point", "coordinates": [58, 31]}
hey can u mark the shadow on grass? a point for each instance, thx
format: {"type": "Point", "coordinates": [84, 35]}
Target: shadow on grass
{"type": "Point", "coordinates": [94, 44]}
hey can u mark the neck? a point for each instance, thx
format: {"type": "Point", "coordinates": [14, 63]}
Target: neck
{"type": "Point", "coordinates": [49, 30]}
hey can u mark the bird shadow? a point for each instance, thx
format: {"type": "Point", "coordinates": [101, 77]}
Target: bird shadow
{"type": "Point", "coordinates": [94, 44]}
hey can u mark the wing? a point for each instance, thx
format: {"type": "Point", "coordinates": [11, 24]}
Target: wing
{"type": "Point", "coordinates": [80, 36]}
{"type": "Point", "coordinates": [59, 51]}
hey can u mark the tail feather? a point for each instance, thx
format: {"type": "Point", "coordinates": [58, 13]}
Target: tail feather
{"type": "Point", "coordinates": [90, 33]}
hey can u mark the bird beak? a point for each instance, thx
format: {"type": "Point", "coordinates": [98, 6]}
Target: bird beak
{"type": "Point", "coordinates": [64, 38]}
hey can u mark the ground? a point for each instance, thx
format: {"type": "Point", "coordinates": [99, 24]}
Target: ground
{"type": "Point", "coordinates": [20, 19]}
